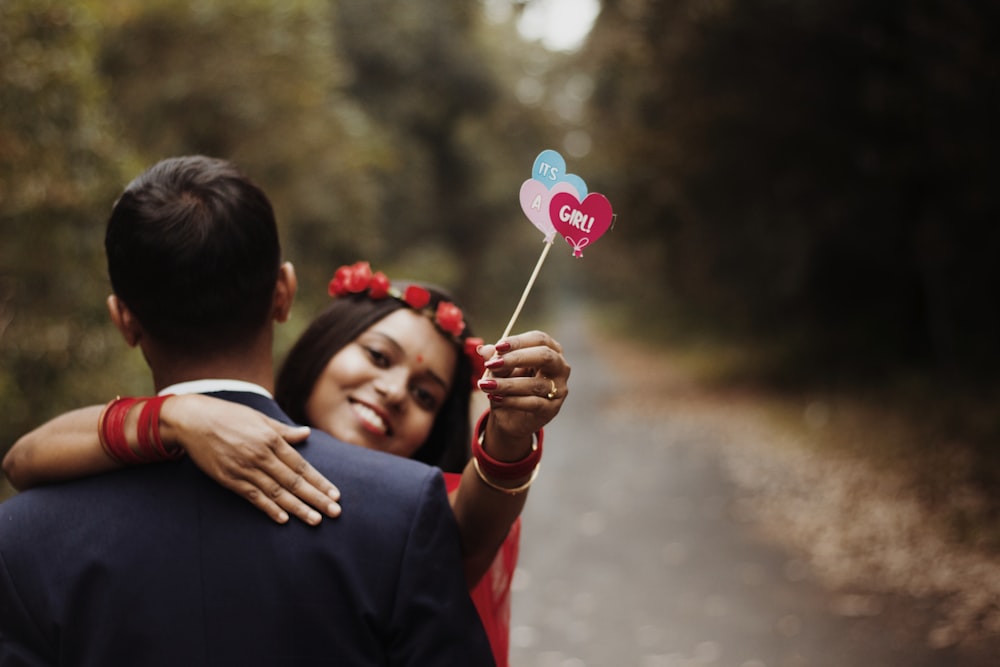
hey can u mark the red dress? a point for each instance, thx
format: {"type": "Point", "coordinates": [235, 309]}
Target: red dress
{"type": "Point", "coordinates": [492, 594]}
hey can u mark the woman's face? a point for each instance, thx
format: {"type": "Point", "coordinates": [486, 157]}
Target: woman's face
{"type": "Point", "coordinates": [383, 390]}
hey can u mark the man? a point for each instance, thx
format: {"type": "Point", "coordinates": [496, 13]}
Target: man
{"type": "Point", "coordinates": [159, 565]}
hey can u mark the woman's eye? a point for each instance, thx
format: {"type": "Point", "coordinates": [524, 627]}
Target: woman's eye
{"type": "Point", "coordinates": [425, 399]}
{"type": "Point", "coordinates": [378, 358]}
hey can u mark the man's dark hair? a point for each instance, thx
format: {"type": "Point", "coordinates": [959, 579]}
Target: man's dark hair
{"type": "Point", "coordinates": [193, 251]}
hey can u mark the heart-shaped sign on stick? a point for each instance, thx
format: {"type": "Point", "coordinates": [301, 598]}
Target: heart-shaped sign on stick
{"type": "Point", "coordinates": [551, 201]}
{"type": "Point", "coordinates": [535, 197]}
{"type": "Point", "coordinates": [580, 223]}
{"type": "Point", "coordinates": [549, 169]}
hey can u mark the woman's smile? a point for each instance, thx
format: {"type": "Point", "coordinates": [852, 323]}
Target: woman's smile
{"type": "Point", "coordinates": [371, 420]}
{"type": "Point", "coordinates": [384, 390]}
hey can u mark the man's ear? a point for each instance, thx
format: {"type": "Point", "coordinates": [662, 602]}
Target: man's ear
{"type": "Point", "coordinates": [284, 292]}
{"type": "Point", "coordinates": [124, 320]}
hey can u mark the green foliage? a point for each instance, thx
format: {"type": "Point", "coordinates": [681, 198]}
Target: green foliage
{"type": "Point", "coordinates": [59, 169]}
{"type": "Point", "coordinates": [815, 174]}
{"type": "Point", "coordinates": [392, 140]}
{"type": "Point", "coordinates": [257, 83]}
{"type": "Point", "coordinates": [429, 84]}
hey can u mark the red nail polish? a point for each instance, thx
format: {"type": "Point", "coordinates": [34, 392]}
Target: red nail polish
{"type": "Point", "coordinates": [495, 362]}
{"type": "Point", "coordinates": [495, 398]}
{"type": "Point", "coordinates": [503, 347]}
{"type": "Point", "coordinates": [487, 385]}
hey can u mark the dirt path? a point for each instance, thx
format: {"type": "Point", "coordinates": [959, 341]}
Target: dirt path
{"type": "Point", "coordinates": [675, 525]}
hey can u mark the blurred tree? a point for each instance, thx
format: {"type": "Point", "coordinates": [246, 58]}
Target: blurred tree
{"type": "Point", "coordinates": [418, 76]}
{"type": "Point", "coordinates": [817, 173]}
{"type": "Point", "coordinates": [257, 82]}
{"type": "Point", "coordinates": [60, 167]}
{"type": "Point", "coordinates": [432, 79]}
{"type": "Point", "coordinates": [394, 140]}
{"type": "Point", "coordinates": [375, 138]}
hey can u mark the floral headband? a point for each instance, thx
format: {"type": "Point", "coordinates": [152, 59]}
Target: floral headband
{"type": "Point", "coordinates": [447, 317]}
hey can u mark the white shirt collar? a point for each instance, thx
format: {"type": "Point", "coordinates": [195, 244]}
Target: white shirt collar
{"type": "Point", "coordinates": [213, 385]}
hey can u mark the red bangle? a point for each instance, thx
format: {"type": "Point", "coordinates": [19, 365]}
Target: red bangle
{"type": "Point", "coordinates": [150, 442]}
{"type": "Point", "coordinates": [174, 451]}
{"type": "Point", "coordinates": [111, 431]}
{"type": "Point", "coordinates": [148, 452]}
{"type": "Point", "coordinates": [503, 470]}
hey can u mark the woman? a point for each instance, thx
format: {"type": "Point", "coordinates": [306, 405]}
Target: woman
{"type": "Point", "coordinates": [384, 368]}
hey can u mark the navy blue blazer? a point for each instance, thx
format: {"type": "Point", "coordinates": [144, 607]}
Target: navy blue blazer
{"type": "Point", "coordinates": [159, 565]}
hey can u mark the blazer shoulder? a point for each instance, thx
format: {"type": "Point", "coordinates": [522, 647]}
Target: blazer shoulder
{"type": "Point", "coordinates": [346, 464]}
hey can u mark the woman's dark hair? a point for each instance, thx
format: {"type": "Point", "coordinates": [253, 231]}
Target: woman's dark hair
{"type": "Point", "coordinates": [193, 251]}
{"type": "Point", "coordinates": [340, 323]}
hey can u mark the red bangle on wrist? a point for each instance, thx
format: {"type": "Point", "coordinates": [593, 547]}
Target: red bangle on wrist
{"type": "Point", "coordinates": [504, 470]}
{"type": "Point", "coordinates": [111, 432]}
{"type": "Point", "coordinates": [150, 442]}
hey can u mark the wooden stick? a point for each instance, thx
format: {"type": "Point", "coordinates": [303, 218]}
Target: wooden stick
{"type": "Point", "coordinates": [524, 295]}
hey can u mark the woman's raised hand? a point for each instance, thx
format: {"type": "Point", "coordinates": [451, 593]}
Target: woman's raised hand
{"type": "Point", "coordinates": [526, 383]}
{"type": "Point", "coordinates": [251, 455]}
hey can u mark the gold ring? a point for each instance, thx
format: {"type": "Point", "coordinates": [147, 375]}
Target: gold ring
{"type": "Point", "coordinates": [552, 391]}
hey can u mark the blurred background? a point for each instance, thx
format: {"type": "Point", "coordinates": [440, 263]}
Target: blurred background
{"type": "Point", "coordinates": [802, 189]}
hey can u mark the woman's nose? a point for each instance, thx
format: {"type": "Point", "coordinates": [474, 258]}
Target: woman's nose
{"type": "Point", "coordinates": [391, 384]}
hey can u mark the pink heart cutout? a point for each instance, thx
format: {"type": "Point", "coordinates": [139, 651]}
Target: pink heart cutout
{"type": "Point", "coordinates": [580, 223]}
{"type": "Point", "coordinates": [535, 198]}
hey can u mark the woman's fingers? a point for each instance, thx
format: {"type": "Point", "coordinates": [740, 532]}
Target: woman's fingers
{"type": "Point", "coordinates": [529, 364]}
{"type": "Point", "coordinates": [281, 490]}
{"type": "Point", "coordinates": [298, 477]}
{"type": "Point", "coordinates": [525, 355]}
{"type": "Point", "coordinates": [293, 484]}
{"type": "Point", "coordinates": [533, 387]}
{"type": "Point", "coordinates": [524, 340]}
{"type": "Point", "coordinates": [291, 434]}
{"type": "Point", "coordinates": [260, 464]}
{"type": "Point", "coordinates": [528, 383]}
{"type": "Point", "coordinates": [270, 506]}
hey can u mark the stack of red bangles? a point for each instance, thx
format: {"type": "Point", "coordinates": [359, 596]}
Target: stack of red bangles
{"type": "Point", "coordinates": [111, 431]}
{"type": "Point", "coordinates": [494, 472]}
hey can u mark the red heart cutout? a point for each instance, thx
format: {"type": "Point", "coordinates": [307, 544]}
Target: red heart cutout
{"type": "Point", "coordinates": [580, 223]}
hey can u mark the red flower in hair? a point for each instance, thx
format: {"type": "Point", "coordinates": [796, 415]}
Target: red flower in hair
{"type": "Point", "coordinates": [380, 286]}
{"type": "Point", "coordinates": [449, 318]}
{"type": "Point", "coordinates": [337, 287]}
{"type": "Point", "coordinates": [478, 363]}
{"type": "Point", "coordinates": [351, 279]}
{"type": "Point", "coordinates": [358, 277]}
{"type": "Point", "coordinates": [416, 297]}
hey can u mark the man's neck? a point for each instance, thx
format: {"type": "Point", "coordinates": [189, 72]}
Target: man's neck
{"type": "Point", "coordinates": [213, 372]}
{"type": "Point", "coordinates": [250, 365]}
